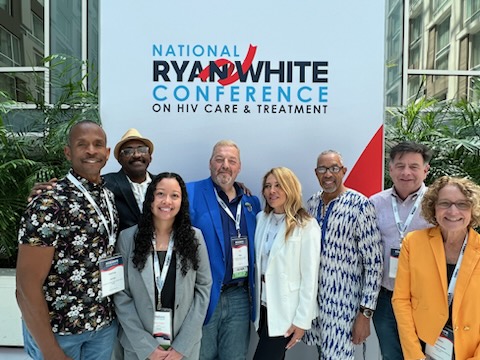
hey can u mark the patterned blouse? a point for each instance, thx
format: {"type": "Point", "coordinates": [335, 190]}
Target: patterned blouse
{"type": "Point", "coordinates": [65, 219]}
{"type": "Point", "coordinates": [350, 270]}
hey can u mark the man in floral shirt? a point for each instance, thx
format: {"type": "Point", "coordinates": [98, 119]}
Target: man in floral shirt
{"type": "Point", "coordinates": [66, 234]}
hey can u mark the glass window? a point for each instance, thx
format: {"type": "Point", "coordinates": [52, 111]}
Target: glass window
{"type": "Point", "coordinates": [9, 48]}
{"type": "Point", "coordinates": [416, 86]}
{"type": "Point", "coordinates": [442, 45]}
{"type": "Point", "coordinates": [472, 8]}
{"type": "Point", "coordinates": [66, 39]}
{"type": "Point", "coordinates": [437, 4]}
{"type": "Point", "coordinates": [415, 29]}
{"type": "Point", "coordinates": [38, 31]}
{"type": "Point", "coordinates": [93, 20]}
{"type": "Point", "coordinates": [475, 51]}
{"type": "Point", "coordinates": [393, 97]}
{"type": "Point", "coordinates": [6, 5]}
{"type": "Point", "coordinates": [23, 87]}
{"type": "Point", "coordinates": [414, 58]}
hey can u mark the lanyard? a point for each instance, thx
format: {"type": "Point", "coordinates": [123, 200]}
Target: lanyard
{"type": "Point", "coordinates": [160, 277]}
{"type": "Point", "coordinates": [403, 227]}
{"type": "Point", "coordinates": [453, 280]}
{"type": "Point", "coordinates": [229, 213]}
{"type": "Point", "coordinates": [323, 221]}
{"type": "Point", "coordinates": [110, 231]}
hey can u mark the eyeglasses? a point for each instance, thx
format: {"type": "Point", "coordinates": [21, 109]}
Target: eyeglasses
{"type": "Point", "coordinates": [460, 205]}
{"type": "Point", "coordinates": [129, 151]}
{"type": "Point", "coordinates": [335, 169]}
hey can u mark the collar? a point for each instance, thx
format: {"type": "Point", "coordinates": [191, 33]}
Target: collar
{"type": "Point", "coordinates": [411, 196]}
{"type": "Point", "coordinates": [146, 182]}
{"type": "Point", "coordinates": [87, 183]}
{"type": "Point", "coordinates": [224, 197]}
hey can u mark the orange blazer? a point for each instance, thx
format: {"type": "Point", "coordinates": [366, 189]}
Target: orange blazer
{"type": "Point", "coordinates": [420, 295]}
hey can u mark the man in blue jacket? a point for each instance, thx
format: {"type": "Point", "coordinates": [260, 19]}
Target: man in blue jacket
{"type": "Point", "coordinates": [226, 216]}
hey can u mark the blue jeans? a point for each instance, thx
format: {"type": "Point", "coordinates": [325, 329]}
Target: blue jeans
{"type": "Point", "coordinates": [89, 345]}
{"type": "Point", "coordinates": [227, 334]}
{"type": "Point", "coordinates": [386, 327]}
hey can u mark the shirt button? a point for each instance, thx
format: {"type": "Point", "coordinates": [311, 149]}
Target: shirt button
{"type": "Point", "coordinates": [466, 328]}
{"type": "Point", "coordinates": [456, 328]}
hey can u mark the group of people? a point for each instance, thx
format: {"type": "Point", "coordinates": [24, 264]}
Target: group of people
{"type": "Point", "coordinates": [137, 266]}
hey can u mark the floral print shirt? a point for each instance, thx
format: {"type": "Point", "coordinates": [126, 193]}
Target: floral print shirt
{"type": "Point", "coordinates": [65, 219]}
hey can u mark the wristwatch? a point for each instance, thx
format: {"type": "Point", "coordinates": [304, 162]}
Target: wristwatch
{"type": "Point", "coordinates": [368, 313]}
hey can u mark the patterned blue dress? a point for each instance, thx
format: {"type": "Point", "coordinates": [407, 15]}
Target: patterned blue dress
{"type": "Point", "coordinates": [350, 270]}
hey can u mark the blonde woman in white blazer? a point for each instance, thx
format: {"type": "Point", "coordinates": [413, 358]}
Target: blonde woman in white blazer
{"type": "Point", "coordinates": [287, 259]}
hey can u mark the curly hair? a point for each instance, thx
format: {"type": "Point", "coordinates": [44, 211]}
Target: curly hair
{"type": "Point", "coordinates": [295, 213]}
{"type": "Point", "coordinates": [184, 240]}
{"type": "Point", "coordinates": [467, 188]}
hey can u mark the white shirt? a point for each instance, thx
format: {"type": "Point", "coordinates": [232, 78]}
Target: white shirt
{"type": "Point", "coordinates": [139, 190]}
{"type": "Point", "coordinates": [388, 228]}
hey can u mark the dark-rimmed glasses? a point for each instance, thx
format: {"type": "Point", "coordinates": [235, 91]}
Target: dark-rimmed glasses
{"type": "Point", "coordinates": [335, 169]}
{"type": "Point", "coordinates": [129, 151]}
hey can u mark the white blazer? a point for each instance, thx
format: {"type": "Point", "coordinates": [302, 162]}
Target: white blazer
{"type": "Point", "coordinates": [291, 277]}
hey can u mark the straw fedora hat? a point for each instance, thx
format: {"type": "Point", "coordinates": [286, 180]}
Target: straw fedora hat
{"type": "Point", "coordinates": [132, 134]}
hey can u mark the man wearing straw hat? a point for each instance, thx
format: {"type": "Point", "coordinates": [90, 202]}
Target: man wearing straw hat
{"type": "Point", "coordinates": [129, 184]}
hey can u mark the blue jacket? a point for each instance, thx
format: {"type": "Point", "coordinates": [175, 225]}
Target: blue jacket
{"type": "Point", "coordinates": [205, 215]}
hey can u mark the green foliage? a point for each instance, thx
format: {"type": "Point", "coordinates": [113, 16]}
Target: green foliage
{"type": "Point", "coordinates": [35, 153]}
{"type": "Point", "coordinates": [451, 129]}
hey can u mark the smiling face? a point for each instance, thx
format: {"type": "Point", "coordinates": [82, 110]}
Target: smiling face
{"type": "Point", "coordinates": [274, 195]}
{"type": "Point", "coordinates": [167, 199]}
{"type": "Point", "coordinates": [331, 183]}
{"type": "Point", "coordinates": [225, 165]}
{"type": "Point", "coordinates": [135, 164]}
{"type": "Point", "coordinates": [451, 218]}
{"type": "Point", "coordinates": [408, 171]}
{"type": "Point", "coordinates": [87, 150]}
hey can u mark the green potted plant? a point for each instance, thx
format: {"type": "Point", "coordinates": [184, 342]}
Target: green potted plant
{"type": "Point", "coordinates": [34, 153]}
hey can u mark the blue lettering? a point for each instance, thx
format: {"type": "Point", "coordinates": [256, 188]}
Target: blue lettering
{"type": "Point", "coordinates": [299, 94]}
{"type": "Point", "coordinates": [178, 90]}
{"type": "Point", "coordinates": [155, 89]}
{"type": "Point", "coordinates": [322, 93]}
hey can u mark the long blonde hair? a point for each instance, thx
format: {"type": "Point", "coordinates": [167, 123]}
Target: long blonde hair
{"type": "Point", "coordinates": [295, 213]}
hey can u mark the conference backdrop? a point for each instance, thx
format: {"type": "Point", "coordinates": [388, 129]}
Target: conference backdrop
{"type": "Point", "coordinates": [283, 79]}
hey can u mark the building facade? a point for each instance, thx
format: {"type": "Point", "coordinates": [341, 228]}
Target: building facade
{"type": "Point", "coordinates": [441, 57]}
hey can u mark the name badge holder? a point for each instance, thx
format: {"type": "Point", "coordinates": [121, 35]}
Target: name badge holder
{"type": "Point", "coordinates": [239, 257]}
{"type": "Point", "coordinates": [443, 348]}
{"type": "Point", "coordinates": [162, 327]}
{"type": "Point", "coordinates": [402, 228]}
{"type": "Point", "coordinates": [239, 243]}
{"type": "Point", "coordinates": [111, 275]}
{"type": "Point", "coordinates": [393, 268]}
{"type": "Point", "coordinates": [163, 319]}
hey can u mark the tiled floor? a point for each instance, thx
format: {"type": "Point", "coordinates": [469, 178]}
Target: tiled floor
{"type": "Point", "coordinates": [13, 353]}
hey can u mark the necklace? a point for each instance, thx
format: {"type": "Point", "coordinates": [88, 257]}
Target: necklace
{"type": "Point", "coordinates": [278, 218]}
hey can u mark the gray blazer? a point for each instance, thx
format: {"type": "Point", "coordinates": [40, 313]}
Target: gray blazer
{"type": "Point", "coordinates": [135, 306]}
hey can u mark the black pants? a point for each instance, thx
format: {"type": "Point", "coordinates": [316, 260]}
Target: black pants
{"type": "Point", "coordinates": [269, 348]}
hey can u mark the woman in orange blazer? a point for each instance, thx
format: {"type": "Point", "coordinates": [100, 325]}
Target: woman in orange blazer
{"type": "Point", "coordinates": [427, 263]}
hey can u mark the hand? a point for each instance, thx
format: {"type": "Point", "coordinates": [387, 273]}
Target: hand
{"type": "Point", "coordinates": [296, 334]}
{"type": "Point", "coordinates": [158, 354]}
{"type": "Point", "coordinates": [244, 188]}
{"type": "Point", "coordinates": [56, 353]}
{"type": "Point", "coordinates": [38, 188]}
{"type": "Point", "coordinates": [361, 329]}
{"type": "Point", "coordinates": [173, 354]}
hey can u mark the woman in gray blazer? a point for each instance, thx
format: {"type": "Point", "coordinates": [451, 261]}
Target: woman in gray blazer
{"type": "Point", "coordinates": [167, 277]}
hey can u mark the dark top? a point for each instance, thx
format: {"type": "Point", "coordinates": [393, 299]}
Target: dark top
{"type": "Point", "coordinates": [229, 230]}
{"type": "Point", "coordinates": [168, 291]}
{"type": "Point", "coordinates": [450, 269]}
